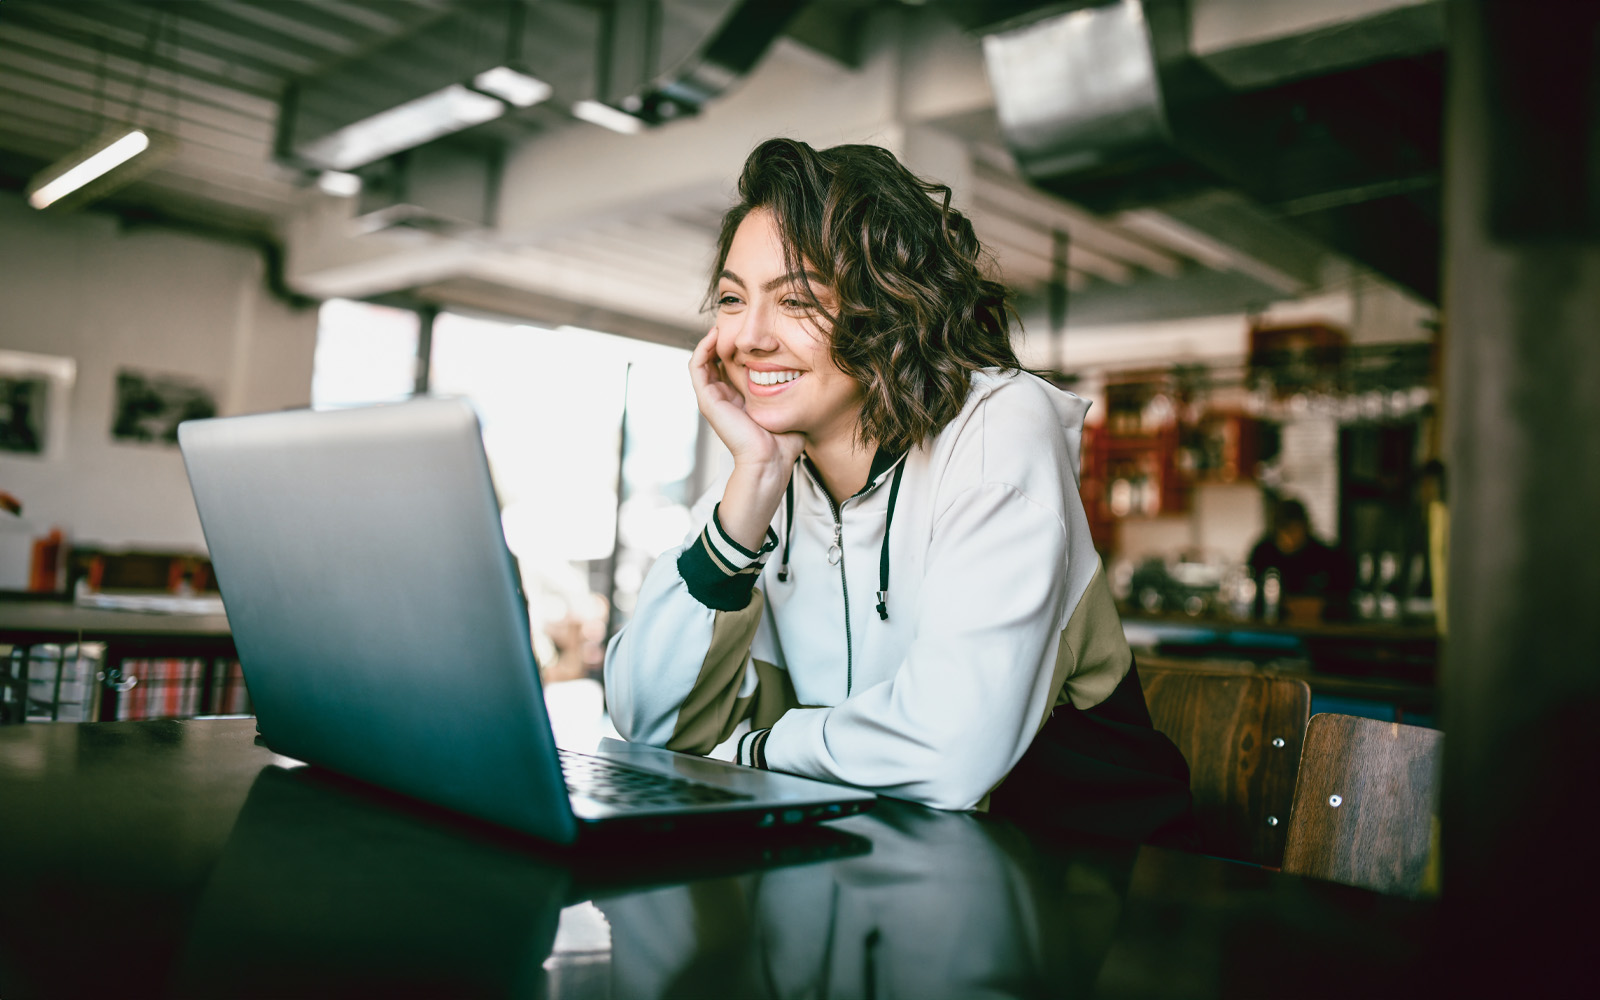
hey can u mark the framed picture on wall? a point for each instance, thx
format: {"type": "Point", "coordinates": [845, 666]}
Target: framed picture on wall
{"type": "Point", "coordinates": [35, 392]}
{"type": "Point", "coordinates": [149, 407]}
{"type": "Point", "coordinates": [24, 413]}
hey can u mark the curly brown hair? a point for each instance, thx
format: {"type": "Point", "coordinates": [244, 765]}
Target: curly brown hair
{"type": "Point", "coordinates": [915, 314]}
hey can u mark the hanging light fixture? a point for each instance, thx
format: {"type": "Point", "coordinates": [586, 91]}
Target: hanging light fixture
{"type": "Point", "coordinates": [121, 153]}
{"type": "Point", "coordinates": [82, 168]}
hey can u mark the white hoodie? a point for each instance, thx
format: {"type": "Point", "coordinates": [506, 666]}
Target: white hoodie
{"type": "Point", "coordinates": [997, 611]}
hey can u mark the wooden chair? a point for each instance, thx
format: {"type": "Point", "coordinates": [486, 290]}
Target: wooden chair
{"type": "Point", "coordinates": [1364, 804]}
{"type": "Point", "coordinates": [1240, 733]}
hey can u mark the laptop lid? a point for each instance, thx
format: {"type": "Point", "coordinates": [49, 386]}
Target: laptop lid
{"type": "Point", "coordinates": [374, 604]}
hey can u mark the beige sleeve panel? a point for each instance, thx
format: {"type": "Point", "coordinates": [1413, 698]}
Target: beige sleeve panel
{"type": "Point", "coordinates": [1094, 656]}
{"type": "Point", "coordinates": [1092, 659]}
{"type": "Point", "coordinates": [713, 708]}
{"type": "Point", "coordinates": [774, 696]}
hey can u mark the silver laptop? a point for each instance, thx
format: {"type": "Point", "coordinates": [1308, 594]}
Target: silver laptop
{"type": "Point", "coordinates": [377, 616]}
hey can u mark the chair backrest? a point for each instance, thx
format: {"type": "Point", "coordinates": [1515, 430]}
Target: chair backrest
{"type": "Point", "coordinates": [1364, 804]}
{"type": "Point", "coordinates": [1240, 733]}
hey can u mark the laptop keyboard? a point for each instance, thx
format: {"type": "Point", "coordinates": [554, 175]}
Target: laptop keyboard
{"type": "Point", "coordinates": [619, 785]}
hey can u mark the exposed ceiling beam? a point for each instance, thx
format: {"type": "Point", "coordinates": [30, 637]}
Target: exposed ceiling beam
{"type": "Point", "coordinates": [1017, 199]}
{"type": "Point", "coordinates": [1214, 254]}
{"type": "Point", "coordinates": [550, 311]}
{"type": "Point", "coordinates": [1040, 243]}
{"type": "Point", "coordinates": [75, 110]}
{"type": "Point", "coordinates": [131, 45]}
{"type": "Point", "coordinates": [86, 63]}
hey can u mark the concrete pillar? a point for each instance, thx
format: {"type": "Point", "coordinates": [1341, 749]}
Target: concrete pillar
{"type": "Point", "coordinates": [1521, 675]}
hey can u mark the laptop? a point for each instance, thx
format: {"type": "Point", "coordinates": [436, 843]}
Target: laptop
{"type": "Point", "coordinates": [378, 619]}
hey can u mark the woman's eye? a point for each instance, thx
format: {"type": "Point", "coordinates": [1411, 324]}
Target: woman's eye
{"type": "Point", "coordinates": [798, 305]}
{"type": "Point", "coordinates": [728, 300]}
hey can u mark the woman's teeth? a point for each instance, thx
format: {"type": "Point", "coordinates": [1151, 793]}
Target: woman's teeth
{"type": "Point", "coordinates": [773, 378]}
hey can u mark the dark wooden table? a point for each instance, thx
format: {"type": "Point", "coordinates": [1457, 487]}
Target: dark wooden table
{"type": "Point", "coordinates": [181, 858]}
{"type": "Point", "coordinates": [126, 635]}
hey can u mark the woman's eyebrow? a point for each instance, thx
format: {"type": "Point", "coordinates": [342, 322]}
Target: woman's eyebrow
{"type": "Point", "coordinates": [793, 277]}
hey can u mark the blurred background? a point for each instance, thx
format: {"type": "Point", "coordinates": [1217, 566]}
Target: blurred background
{"type": "Point", "coordinates": [1220, 219]}
{"type": "Point", "coordinates": [1222, 222]}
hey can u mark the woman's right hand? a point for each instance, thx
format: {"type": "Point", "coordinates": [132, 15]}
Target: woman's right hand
{"type": "Point", "coordinates": [762, 461]}
{"type": "Point", "coordinates": [721, 403]}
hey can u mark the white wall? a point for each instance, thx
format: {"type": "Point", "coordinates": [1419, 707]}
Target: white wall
{"type": "Point", "coordinates": [155, 300]}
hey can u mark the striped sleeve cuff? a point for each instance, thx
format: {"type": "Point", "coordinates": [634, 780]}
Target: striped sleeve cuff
{"type": "Point", "coordinates": [752, 749]}
{"type": "Point", "coordinates": [719, 572]}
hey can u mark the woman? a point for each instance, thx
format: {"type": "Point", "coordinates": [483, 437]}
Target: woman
{"type": "Point", "coordinates": [861, 373]}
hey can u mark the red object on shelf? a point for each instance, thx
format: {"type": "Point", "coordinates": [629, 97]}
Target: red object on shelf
{"type": "Point", "coordinates": [1224, 447]}
{"type": "Point", "coordinates": [44, 573]}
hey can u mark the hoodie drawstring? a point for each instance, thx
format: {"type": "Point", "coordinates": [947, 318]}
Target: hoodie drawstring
{"type": "Point", "coordinates": [883, 553]}
{"type": "Point", "coordinates": [788, 529]}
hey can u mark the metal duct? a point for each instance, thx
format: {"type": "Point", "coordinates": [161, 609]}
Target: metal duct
{"type": "Point", "coordinates": [724, 53]}
{"type": "Point", "coordinates": [1106, 106]}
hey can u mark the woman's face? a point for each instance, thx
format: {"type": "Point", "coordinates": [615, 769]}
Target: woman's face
{"type": "Point", "coordinates": [772, 348]}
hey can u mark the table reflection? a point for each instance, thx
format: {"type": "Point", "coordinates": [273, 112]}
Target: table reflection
{"type": "Point", "coordinates": [324, 889]}
{"type": "Point", "coordinates": [945, 904]}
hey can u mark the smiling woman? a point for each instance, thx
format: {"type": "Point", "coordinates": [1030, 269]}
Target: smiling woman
{"type": "Point", "coordinates": [861, 373]}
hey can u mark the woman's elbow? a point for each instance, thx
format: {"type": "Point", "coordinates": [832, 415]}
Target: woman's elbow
{"type": "Point", "coordinates": [952, 787]}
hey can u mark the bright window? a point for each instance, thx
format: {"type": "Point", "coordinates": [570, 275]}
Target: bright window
{"type": "Point", "coordinates": [365, 354]}
{"type": "Point", "coordinates": [551, 404]}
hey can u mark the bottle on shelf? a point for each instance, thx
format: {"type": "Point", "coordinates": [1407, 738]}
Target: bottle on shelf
{"type": "Point", "coordinates": [1366, 598]}
{"type": "Point", "coordinates": [1388, 583]}
{"type": "Point", "coordinates": [1271, 596]}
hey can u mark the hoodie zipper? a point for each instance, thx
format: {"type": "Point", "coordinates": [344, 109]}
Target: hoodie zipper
{"type": "Point", "coordinates": [844, 582]}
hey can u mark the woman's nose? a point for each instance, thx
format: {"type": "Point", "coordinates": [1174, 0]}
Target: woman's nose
{"type": "Point", "coordinates": [755, 334]}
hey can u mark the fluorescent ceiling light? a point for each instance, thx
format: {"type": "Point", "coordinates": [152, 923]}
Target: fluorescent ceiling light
{"type": "Point", "coordinates": [515, 88]}
{"type": "Point", "coordinates": [606, 116]}
{"type": "Point", "coordinates": [404, 126]}
{"type": "Point", "coordinates": [92, 167]}
{"type": "Point", "coordinates": [339, 184]}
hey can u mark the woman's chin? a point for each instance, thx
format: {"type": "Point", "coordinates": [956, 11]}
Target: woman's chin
{"type": "Point", "coordinates": [774, 423]}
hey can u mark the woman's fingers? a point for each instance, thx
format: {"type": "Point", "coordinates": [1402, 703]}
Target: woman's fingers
{"type": "Point", "coordinates": [724, 409]}
{"type": "Point", "coordinates": [700, 371]}
{"type": "Point", "coordinates": [711, 386]}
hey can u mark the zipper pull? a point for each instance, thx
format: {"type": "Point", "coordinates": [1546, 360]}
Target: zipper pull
{"type": "Point", "coordinates": [836, 549]}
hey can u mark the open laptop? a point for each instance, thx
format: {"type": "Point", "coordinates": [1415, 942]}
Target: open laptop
{"type": "Point", "coordinates": [377, 616]}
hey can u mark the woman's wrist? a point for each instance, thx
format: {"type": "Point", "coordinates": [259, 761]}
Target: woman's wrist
{"type": "Point", "coordinates": [750, 500]}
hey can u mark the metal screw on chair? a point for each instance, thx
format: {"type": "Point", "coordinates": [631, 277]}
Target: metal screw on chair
{"type": "Point", "coordinates": [1272, 821]}
{"type": "Point", "coordinates": [1336, 801]}
{"type": "Point", "coordinates": [1278, 742]}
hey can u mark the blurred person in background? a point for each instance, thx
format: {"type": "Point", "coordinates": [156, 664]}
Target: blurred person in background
{"type": "Point", "coordinates": [895, 587]}
{"type": "Point", "coordinates": [1316, 579]}
{"type": "Point", "coordinates": [577, 637]}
